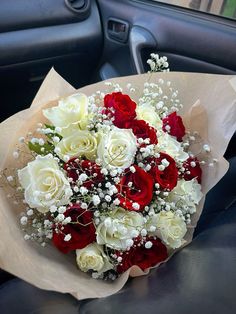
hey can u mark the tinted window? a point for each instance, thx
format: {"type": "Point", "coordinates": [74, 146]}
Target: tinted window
{"type": "Point", "coordinates": [225, 8]}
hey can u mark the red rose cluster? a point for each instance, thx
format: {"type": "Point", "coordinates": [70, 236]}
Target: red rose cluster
{"type": "Point", "coordinates": [173, 124]}
{"type": "Point", "coordinates": [141, 256]}
{"type": "Point", "coordinates": [121, 108]}
{"type": "Point", "coordinates": [81, 228]}
{"type": "Point", "coordinates": [141, 191]}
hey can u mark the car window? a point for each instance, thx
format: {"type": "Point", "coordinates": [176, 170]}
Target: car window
{"type": "Point", "coordinates": [225, 8]}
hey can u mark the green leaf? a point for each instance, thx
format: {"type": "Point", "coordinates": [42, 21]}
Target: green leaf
{"type": "Point", "coordinates": [51, 135]}
{"type": "Point", "coordinates": [48, 126]}
{"type": "Point", "coordinates": [48, 148]}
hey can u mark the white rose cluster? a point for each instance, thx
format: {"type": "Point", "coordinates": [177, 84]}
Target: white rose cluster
{"type": "Point", "coordinates": [79, 144]}
{"type": "Point", "coordinates": [187, 194]}
{"type": "Point", "coordinates": [70, 114]}
{"type": "Point", "coordinates": [92, 257]}
{"type": "Point", "coordinates": [170, 227]}
{"type": "Point", "coordinates": [148, 113]}
{"type": "Point", "coordinates": [117, 148]}
{"type": "Point", "coordinates": [117, 230]}
{"type": "Point", "coordinates": [44, 183]}
{"type": "Point", "coordinates": [172, 147]}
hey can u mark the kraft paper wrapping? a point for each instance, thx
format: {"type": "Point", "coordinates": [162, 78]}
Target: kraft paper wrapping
{"type": "Point", "coordinates": [209, 108]}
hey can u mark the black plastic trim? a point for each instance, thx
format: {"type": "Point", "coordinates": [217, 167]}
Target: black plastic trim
{"type": "Point", "coordinates": [25, 14]}
{"type": "Point", "coordinates": [82, 10]}
{"type": "Point", "coordinates": [45, 42]}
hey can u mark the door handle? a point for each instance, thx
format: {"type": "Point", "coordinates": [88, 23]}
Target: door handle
{"type": "Point", "coordinates": [140, 38]}
{"type": "Point", "coordinates": [118, 29]}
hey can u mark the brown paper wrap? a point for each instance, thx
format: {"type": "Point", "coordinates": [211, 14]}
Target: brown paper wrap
{"type": "Point", "coordinates": [213, 115]}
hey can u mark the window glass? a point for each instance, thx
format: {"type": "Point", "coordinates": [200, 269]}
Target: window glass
{"type": "Point", "coordinates": [226, 8]}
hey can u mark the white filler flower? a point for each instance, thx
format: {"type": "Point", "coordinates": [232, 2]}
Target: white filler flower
{"type": "Point", "coordinates": [44, 183]}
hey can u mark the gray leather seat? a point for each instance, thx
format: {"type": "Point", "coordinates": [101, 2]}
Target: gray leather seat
{"type": "Point", "coordinates": [199, 279]}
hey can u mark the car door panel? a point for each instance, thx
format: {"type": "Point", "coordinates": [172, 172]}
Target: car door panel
{"type": "Point", "coordinates": [44, 42]}
{"type": "Point", "coordinates": [192, 41]}
{"type": "Point", "coordinates": [36, 35]}
{"type": "Point", "coordinates": [24, 14]}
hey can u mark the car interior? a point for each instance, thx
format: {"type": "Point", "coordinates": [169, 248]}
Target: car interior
{"type": "Point", "coordinates": [87, 41]}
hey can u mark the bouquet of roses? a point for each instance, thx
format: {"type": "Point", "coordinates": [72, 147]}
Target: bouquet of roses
{"type": "Point", "coordinates": [114, 181]}
{"type": "Point", "coordinates": [114, 177]}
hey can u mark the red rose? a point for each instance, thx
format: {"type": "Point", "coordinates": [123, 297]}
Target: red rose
{"type": "Point", "coordinates": [168, 177]}
{"type": "Point", "coordinates": [82, 233]}
{"type": "Point", "coordinates": [192, 169]}
{"type": "Point", "coordinates": [121, 107]}
{"type": "Point", "coordinates": [142, 257]}
{"type": "Point", "coordinates": [74, 167]}
{"type": "Point", "coordinates": [142, 130]}
{"type": "Point", "coordinates": [176, 125]}
{"type": "Point", "coordinates": [140, 192]}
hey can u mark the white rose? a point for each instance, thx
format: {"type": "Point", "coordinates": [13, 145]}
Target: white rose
{"type": "Point", "coordinates": [170, 146]}
{"type": "Point", "coordinates": [147, 113]}
{"type": "Point", "coordinates": [92, 257]}
{"type": "Point", "coordinates": [170, 228]}
{"type": "Point", "coordinates": [117, 230]}
{"type": "Point", "coordinates": [186, 194]}
{"type": "Point", "coordinates": [117, 148]}
{"type": "Point", "coordinates": [70, 114]}
{"type": "Point", "coordinates": [78, 144]}
{"type": "Point", "coordinates": [44, 183]}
